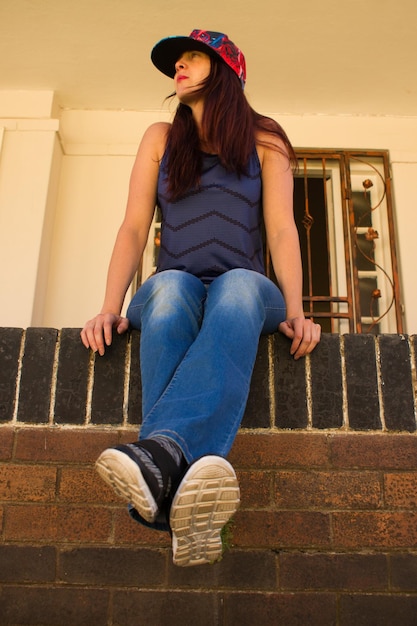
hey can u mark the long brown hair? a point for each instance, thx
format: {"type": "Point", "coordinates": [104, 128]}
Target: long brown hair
{"type": "Point", "coordinates": [229, 126]}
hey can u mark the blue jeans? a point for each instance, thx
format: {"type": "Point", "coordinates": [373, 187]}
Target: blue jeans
{"type": "Point", "coordinates": [197, 352]}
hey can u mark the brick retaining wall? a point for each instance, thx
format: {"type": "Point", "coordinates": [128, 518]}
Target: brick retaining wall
{"type": "Point", "coordinates": [327, 462]}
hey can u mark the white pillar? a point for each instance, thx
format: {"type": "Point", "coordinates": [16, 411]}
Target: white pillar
{"type": "Point", "coordinates": [30, 159]}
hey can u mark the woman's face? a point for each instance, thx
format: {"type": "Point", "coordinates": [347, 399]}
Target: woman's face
{"type": "Point", "coordinates": [191, 69]}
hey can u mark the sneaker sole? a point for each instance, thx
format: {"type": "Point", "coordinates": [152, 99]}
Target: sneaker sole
{"type": "Point", "coordinates": [122, 474]}
{"type": "Point", "coordinates": [206, 499]}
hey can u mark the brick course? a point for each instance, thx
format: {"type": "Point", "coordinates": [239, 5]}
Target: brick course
{"type": "Point", "coordinates": [327, 529]}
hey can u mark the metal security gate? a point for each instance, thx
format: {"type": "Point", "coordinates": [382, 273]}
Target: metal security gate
{"type": "Point", "coordinates": [343, 209]}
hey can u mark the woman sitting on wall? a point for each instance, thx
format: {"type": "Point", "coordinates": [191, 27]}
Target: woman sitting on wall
{"type": "Point", "coordinates": [218, 173]}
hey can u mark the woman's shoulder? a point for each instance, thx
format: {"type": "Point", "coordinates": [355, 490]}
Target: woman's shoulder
{"type": "Point", "coordinates": [270, 144]}
{"type": "Point", "coordinates": [271, 138]}
{"type": "Point", "coordinates": [158, 129]}
{"type": "Point", "coordinates": [156, 136]}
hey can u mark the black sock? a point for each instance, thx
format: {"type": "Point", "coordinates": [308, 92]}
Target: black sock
{"type": "Point", "coordinates": [171, 447]}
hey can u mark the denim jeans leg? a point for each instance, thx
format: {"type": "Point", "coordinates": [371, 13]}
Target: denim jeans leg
{"type": "Point", "coordinates": [202, 406]}
{"type": "Point", "coordinates": [168, 310]}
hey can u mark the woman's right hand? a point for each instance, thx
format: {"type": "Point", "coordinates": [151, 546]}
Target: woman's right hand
{"type": "Point", "coordinates": [97, 332]}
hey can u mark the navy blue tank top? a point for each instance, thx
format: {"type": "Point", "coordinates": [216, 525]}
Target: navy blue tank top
{"type": "Point", "coordinates": [216, 226]}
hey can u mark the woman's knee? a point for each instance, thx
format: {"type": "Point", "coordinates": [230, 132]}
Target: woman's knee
{"type": "Point", "coordinates": [238, 284]}
{"type": "Point", "coordinates": [236, 292]}
{"type": "Point", "coordinates": [246, 294]}
{"type": "Point", "coordinates": [168, 295]}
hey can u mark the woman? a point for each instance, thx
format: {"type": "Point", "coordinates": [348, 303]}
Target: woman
{"type": "Point", "coordinates": [218, 173]}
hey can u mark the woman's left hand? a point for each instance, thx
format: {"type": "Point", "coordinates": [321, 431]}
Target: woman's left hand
{"type": "Point", "coordinates": [305, 335]}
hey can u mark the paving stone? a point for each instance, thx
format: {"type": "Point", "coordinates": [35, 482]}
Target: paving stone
{"type": "Point", "coordinates": [327, 490]}
{"type": "Point", "coordinates": [361, 381]}
{"type": "Point", "coordinates": [36, 379]}
{"type": "Point", "coordinates": [10, 342]}
{"type": "Point", "coordinates": [404, 572]}
{"type": "Point", "coordinates": [257, 413]}
{"type": "Point", "coordinates": [326, 383]}
{"type": "Point", "coordinates": [72, 379]}
{"type": "Point", "coordinates": [282, 529]}
{"type": "Point", "coordinates": [386, 451]}
{"type": "Point", "coordinates": [40, 606]}
{"type": "Point", "coordinates": [356, 572]}
{"type": "Point", "coordinates": [178, 608]}
{"type": "Point", "coordinates": [359, 530]}
{"type": "Point", "coordinates": [381, 610]}
{"type": "Point", "coordinates": [6, 443]}
{"type": "Point", "coordinates": [119, 567]}
{"type": "Point", "coordinates": [280, 450]}
{"type": "Point", "coordinates": [15, 486]}
{"type": "Point", "coordinates": [288, 609]}
{"type": "Point", "coordinates": [396, 375]}
{"type": "Point", "coordinates": [20, 564]}
{"type": "Point", "coordinates": [238, 569]}
{"type": "Point", "coordinates": [109, 376]}
{"type": "Point", "coordinates": [290, 386]}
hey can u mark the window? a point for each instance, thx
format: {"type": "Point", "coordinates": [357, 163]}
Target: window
{"type": "Point", "coordinates": [343, 210]}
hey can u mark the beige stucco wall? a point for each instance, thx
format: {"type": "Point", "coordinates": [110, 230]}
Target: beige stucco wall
{"type": "Point", "coordinates": [63, 189]}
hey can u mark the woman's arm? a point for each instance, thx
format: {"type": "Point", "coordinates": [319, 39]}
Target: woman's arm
{"type": "Point", "coordinates": [131, 240]}
{"type": "Point", "coordinates": [283, 242]}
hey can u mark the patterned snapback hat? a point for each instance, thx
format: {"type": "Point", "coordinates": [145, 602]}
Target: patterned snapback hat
{"type": "Point", "coordinates": [167, 51]}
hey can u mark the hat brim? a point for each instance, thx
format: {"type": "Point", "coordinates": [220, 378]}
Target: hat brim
{"type": "Point", "coordinates": [167, 52]}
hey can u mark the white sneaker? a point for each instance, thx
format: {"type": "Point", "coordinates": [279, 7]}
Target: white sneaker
{"type": "Point", "coordinates": [206, 499]}
{"type": "Point", "coordinates": [124, 475]}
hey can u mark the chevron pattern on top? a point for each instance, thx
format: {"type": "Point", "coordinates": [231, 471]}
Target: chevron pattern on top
{"type": "Point", "coordinates": [216, 226]}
